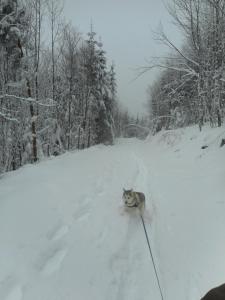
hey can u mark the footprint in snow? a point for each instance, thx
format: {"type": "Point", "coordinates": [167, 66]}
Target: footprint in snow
{"type": "Point", "coordinates": [10, 290]}
{"type": "Point", "coordinates": [99, 187]}
{"type": "Point", "coordinates": [15, 294]}
{"type": "Point", "coordinates": [83, 210]}
{"type": "Point", "coordinates": [52, 261]}
{"type": "Point", "coordinates": [81, 215]}
{"type": "Point", "coordinates": [102, 237]}
{"type": "Point", "coordinates": [58, 232]}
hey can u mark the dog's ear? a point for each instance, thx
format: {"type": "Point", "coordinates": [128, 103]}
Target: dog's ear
{"type": "Point", "coordinates": [131, 190]}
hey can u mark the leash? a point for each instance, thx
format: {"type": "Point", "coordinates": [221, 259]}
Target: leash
{"type": "Point", "coordinates": [153, 262]}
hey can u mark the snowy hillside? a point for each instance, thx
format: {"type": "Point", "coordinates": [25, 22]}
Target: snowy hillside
{"type": "Point", "coordinates": [64, 233]}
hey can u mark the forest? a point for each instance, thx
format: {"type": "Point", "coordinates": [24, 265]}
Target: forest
{"type": "Point", "coordinates": [190, 87]}
{"type": "Point", "coordinates": [57, 90]}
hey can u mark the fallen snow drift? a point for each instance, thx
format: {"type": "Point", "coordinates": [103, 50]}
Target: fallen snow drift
{"type": "Point", "coordinates": [64, 234]}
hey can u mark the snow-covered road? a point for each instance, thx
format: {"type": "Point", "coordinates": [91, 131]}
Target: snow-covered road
{"type": "Point", "coordinates": [64, 233]}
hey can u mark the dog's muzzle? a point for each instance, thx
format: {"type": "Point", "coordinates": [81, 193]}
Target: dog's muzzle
{"type": "Point", "coordinates": [131, 205]}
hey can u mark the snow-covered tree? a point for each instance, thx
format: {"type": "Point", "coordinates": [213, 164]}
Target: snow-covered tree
{"type": "Point", "coordinates": [53, 97]}
{"type": "Point", "coordinates": [194, 89]}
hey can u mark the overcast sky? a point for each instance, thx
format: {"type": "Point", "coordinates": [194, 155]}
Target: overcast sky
{"type": "Point", "coordinates": [126, 30]}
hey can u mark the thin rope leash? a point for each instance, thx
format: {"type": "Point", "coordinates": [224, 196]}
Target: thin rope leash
{"type": "Point", "coordinates": [153, 262]}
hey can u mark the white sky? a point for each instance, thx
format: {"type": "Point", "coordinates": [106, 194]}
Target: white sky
{"type": "Point", "coordinates": [126, 29]}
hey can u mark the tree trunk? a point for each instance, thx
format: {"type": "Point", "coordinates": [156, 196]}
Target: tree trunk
{"type": "Point", "coordinates": [33, 126]}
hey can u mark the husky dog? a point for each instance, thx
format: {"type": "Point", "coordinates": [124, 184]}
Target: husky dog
{"type": "Point", "coordinates": [134, 199]}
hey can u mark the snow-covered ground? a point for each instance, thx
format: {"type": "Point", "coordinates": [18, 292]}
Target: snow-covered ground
{"type": "Point", "coordinates": [64, 234]}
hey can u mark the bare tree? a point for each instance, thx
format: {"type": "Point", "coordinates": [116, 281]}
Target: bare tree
{"type": "Point", "coordinates": [55, 8]}
{"type": "Point", "coordinates": [70, 42]}
{"type": "Point", "coordinates": [201, 59]}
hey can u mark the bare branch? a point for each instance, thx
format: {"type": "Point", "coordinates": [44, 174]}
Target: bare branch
{"type": "Point", "coordinates": [163, 37]}
{"type": "Point", "coordinates": [28, 100]}
{"type": "Point", "coordinates": [8, 118]}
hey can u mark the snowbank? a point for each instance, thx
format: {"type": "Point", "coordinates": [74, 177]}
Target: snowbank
{"type": "Point", "coordinates": [65, 235]}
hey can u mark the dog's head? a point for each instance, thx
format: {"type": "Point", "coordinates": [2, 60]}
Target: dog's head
{"type": "Point", "coordinates": [128, 197]}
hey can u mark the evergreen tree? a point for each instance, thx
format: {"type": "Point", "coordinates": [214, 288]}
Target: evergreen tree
{"type": "Point", "coordinates": [104, 120]}
{"type": "Point", "coordinates": [72, 71]}
{"type": "Point", "coordinates": [12, 19]}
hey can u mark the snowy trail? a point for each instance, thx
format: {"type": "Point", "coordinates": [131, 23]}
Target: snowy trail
{"type": "Point", "coordinates": [126, 259]}
{"type": "Point", "coordinates": [64, 233]}
{"type": "Point", "coordinates": [82, 226]}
